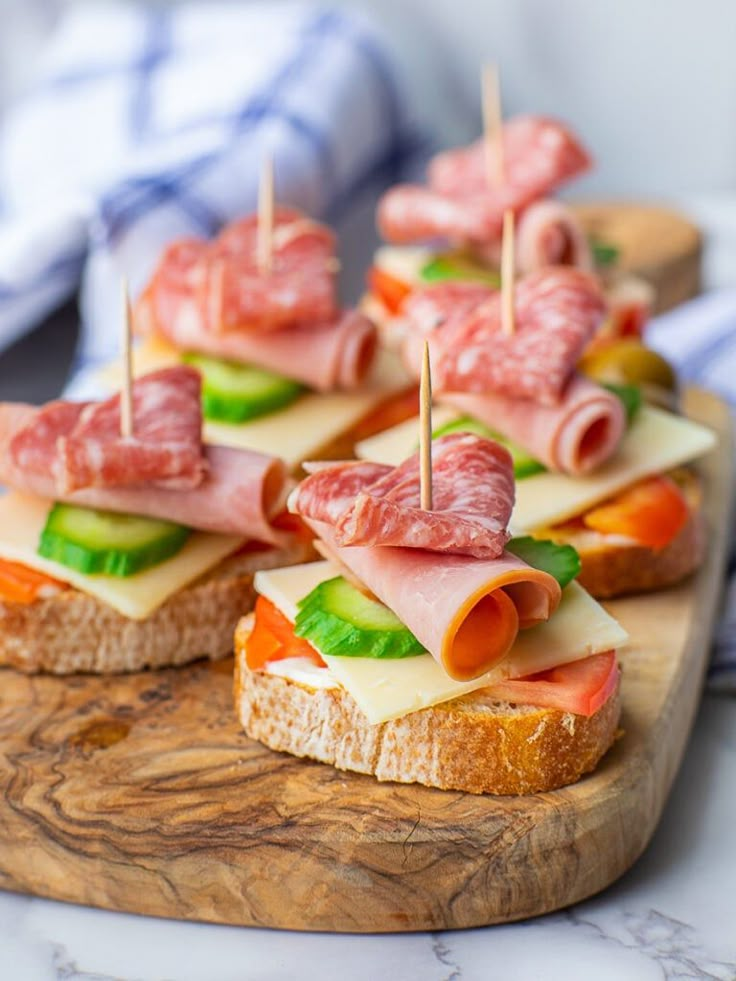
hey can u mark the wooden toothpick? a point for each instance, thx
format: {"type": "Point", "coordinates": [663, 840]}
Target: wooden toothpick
{"type": "Point", "coordinates": [265, 216]}
{"type": "Point", "coordinates": [126, 393]}
{"type": "Point", "coordinates": [425, 433]}
{"type": "Point", "coordinates": [492, 124]}
{"type": "Point", "coordinates": [507, 274]}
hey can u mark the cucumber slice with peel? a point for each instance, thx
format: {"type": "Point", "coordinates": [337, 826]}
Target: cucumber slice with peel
{"type": "Point", "coordinates": [452, 267]}
{"type": "Point", "coordinates": [106, 543]}
{"type": "Point", "coordinates": [560, 561]}
{"type": "Point", "coordinates": [340, 620]}
{"type": "Point", "coordinates": [234, 392]}
{"type": "Point", "coordinates": [524, 465]}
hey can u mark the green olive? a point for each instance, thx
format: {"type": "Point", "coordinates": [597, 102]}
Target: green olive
{"type": "Point", "coordinates": [629, 362]}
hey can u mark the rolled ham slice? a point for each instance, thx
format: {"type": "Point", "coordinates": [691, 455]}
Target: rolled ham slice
{"type": "Point", "coordinates": [575, 436]}
{"type": "Point", "coordinates": [466, 612]}
{"type": "Point", "coordinates": [241, 491]}
{"type": "Point", "coordinates": [549, 234]}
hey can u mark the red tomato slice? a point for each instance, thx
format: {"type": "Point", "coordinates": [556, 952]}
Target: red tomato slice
{"type": "Point", "coordinates": [273, 638]}
{"type": "Point", "coordinates": [652, 512]}
{"type": "Point", "coordinates": [581, 687]}
{"type": "Point", "coordinates": [19, 584]}
{"type": "Point", "coordinates": [390, 290]}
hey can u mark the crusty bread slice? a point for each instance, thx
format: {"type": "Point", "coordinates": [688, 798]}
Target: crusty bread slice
{"type": "Point", "coordinates": [614, 566]}
{"type": "Point", "coordinates": [72, 632]}
{"type": "Point", "coordinates": [474, 743]}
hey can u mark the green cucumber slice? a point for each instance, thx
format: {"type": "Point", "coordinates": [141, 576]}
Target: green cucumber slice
{"type": "Point", "coordinates": [340, 620]}
{"type": "Point", "coordinates": [560, 561]}
{"type": "Point", "coordinates": [524, 465]}
{"type": "Point", "coordinates": [630, 395]}
{"type": "Point", "coordinates": [234, 392]}
{"type": "Point", "coordinates": [105, 543]}
{"type": "Point", "coordinates": [453, 267]}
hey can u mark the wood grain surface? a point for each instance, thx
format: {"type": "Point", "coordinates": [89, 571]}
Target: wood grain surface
{"type": "Point", "coordinates": [139, 793]}
{"type": "Point", "coordinates": [654, 242]}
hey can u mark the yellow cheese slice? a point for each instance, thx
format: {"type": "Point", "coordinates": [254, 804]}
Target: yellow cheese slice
{"type": "Point", "coordinates": [300, 430]}
{"type": "Point", "coordinates": [22, 519]}
{"type": "Point", "coordinates": [656, 442]}
{"type": "Point", "coordinates": [404, 262]}
{"type": "Point", "coordinates": [392, 688]}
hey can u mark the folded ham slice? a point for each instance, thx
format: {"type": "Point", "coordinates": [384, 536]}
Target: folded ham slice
{"type": "Point", "coordinates": [549, 234]}
{"type": "Point", "coordinates": [460, 205]}
{"type": "Point", "coordinates": [81, 445]}
{"type": "Point", "coordinates": [466, 612]}
{"type": "Point", "coordinates": [557, 311]}
{"type": "Point", "coordinates": [374, 504]}
{"type": "Point", "coordinates": [241, 491]}
{"type": "Point", "coordinates": [574, 436]}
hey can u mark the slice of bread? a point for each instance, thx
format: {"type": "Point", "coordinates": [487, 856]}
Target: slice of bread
{"type": "Point", "coordinates": [616, 566]}
{"type": "Point", "coordinates": [72, 632]}
{"type": "Point", "coordinates": [473, 744]}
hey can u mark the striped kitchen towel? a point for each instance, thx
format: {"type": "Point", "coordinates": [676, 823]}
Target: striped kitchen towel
{"type": "Point", "coordinates": [147, 123]}
{"type": "Point", "coordinates": [699, 337]}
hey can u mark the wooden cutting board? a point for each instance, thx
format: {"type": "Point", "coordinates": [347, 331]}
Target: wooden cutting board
{"type": "Point", "coordinates": [139, 793]}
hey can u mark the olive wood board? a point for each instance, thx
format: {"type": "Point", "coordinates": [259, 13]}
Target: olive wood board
{"type": "Point", "coordinates": [139, 793]}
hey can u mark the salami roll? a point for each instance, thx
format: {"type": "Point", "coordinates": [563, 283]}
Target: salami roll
{"type": "Point", "coordinates": [549, 234]}
{"type": "Point", "coordinates": [373, 504]}
{"type": "Point", "coordinates": [539, 154]}
{"type": "Point", "coordinates": [299, 286]}
{"type": "Point", "coordinates": [574, 436]}
{"type": "Point", "coordinates": [461, 205]}
{"type": "Point", "coordinates": [411, 213]}
{"type": "Point", "coordinates": [241, 491]}
{"type": "Point", "coordinates": [557, 311]}
{"type": "Point", "coordinates": [81, 444]}
{"type": "Point", "coordinates": [466, 612]}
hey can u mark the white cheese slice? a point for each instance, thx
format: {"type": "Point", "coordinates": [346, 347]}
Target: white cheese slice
{"type": "Point", "coordinates": [300, 430]}
{"type": "Point", "coordinates": [656, 442]}
{"type": "Point", "coordinates": [22, 519]}
{"type": "Point", "coordinates": [392, 688]}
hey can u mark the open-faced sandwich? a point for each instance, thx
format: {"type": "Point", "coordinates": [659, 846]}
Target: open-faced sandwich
{"type": "Point", "coordinates": [124, 552]}
{"type": "Point", "coordinates": [430, 646]}
{"type": "Point", "coordinates": [450, 229]}
{"type": "Point", "coordinates": [285, 370]}
{"type": "Point", "coordinates": [598, 466]}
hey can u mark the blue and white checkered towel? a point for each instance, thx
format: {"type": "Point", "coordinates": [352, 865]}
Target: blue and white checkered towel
{"type": "Point", "coordinates": [699, 337]}
{"type": "Point", "coordinates": [149, 123]}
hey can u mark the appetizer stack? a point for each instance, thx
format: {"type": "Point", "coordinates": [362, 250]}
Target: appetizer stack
{"type": "Point", "coordinates": [283, 366]}
{"type": "Point", "coordinates": [430, 647]}
{"type": "Point", "coordinates": [121, 553]}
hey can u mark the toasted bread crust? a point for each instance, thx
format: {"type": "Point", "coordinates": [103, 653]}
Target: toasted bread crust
{"type": "Point", "coordinates": [73, 632]}
{"type": "Point", "coordinates": [473, 744]}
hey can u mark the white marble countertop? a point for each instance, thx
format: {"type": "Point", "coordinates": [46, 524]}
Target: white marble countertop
{"type": "Point", "coordinates": [673, 916]}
